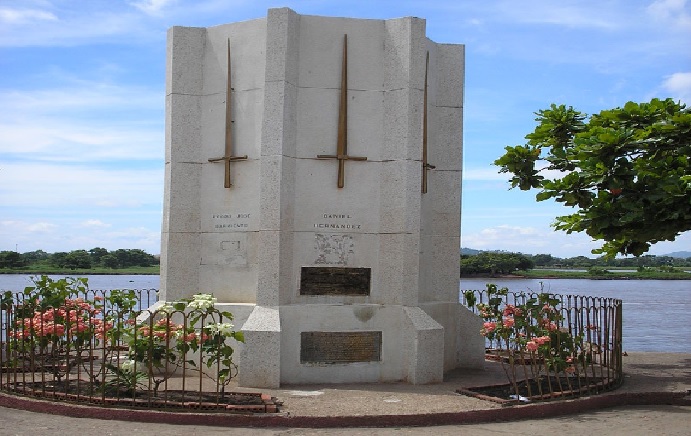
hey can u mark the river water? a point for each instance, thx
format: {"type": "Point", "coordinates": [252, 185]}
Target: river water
{"type": "Point", "coordinates": [657, 313]}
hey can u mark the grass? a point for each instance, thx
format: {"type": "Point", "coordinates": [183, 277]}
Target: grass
{"type": "Point", "coordinates": [42, 269]}
{"type": "Point", "coordinates": [647, 274]}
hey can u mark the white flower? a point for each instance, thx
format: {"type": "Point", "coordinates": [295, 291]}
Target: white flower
{"type": "Point", "coordinates": [127, 365]}
{"type": "Point", "coordinates": [224, 328]}
{"type": "Point", "coordinates": [202, 302]}
{"type": "Point", "coordinates": [167, 308]}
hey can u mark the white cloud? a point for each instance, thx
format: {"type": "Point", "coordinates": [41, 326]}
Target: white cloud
{"type": "Point", "coordinates": [671, 12]}
{"type": "Point", "coordinates": [95, 223]}
{"type": "Point", "coordinates": [529, 240]}
{"type": "Point", "coordinates": [152, 7]}
{"type": "Point", "coordinates": [80, 23]}
{"type": "Point", "coordinates": [603, 15]}
{"type": "Point", "coordinates": [679, 86]}
{"type": "Point", "coordinates": [24, 16]}
{"type": "Point", "coordinates": [67, 188]}
{"type": "Point", "coordinates": [92, 122]}
{"type": "Point", "coordinates": [41, 227]}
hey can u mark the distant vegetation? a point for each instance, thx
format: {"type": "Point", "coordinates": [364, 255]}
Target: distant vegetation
{"type": "Point", "coordinates": [96, 260]}
{"type": "Point", "coordinates": [494, 263]}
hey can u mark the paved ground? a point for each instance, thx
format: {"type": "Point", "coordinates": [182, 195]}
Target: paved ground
{"type": "Point", "coordinates": [652, 382]}
{"type": "Point", "coordinates": [630, 421]}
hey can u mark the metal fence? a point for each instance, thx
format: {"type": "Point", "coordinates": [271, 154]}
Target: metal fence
{"type": "Point", "coordinates": [584, 352]}
{"type": "Point", "coordinates": [110, 348]}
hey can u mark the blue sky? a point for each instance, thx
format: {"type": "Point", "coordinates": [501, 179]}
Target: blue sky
{"type": "Point", "coordinates": [82, 88]}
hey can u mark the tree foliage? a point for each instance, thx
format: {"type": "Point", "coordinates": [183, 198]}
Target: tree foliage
{"type": "Point", "coordinates": [78, 259]}
{"type": "Point", "coordinates": [490, 262]}
{"type": "Point", "coordinates": [625, 171]}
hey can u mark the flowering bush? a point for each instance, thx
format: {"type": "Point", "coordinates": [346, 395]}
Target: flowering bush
{"type": "Point", "coordinates": [528, 336]}
{"type": "Point", "coordinates": [163, 346]}
{"type": "Point", "coordinates": [56, 330]}
{"type": "Point", "coordinates": [59, 324]}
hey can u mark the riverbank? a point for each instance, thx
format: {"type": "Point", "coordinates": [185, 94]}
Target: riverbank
{"type": "Point", "coordinates": [530, 274]}
{"type": "Point", "coordinates": [586, 275]}
{"type": "Point", "coordinates": [131, 271]}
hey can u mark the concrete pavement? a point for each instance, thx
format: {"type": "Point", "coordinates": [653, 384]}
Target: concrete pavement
{"type": "Point", "coordinates": [655, 394]}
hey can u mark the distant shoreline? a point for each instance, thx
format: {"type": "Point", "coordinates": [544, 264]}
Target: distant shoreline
{"type": "Point", "coordinates": [531, 274]}
{"type": "Point", "coordinates": [82, 272]}
{"type": "Point", "coordinates": [566, 274]}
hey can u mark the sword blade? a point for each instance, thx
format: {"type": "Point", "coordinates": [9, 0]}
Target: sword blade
{"type": "Point", "coordinates": [342, 145]}
{"type": "Point", "coordinates": [229, 113]}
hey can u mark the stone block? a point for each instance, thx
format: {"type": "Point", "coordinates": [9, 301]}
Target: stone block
{"type": "Point", "coordinates": [180, 266]}
{"type": "Point", "coordinates": [247, 48]}
{"type": "Point", "coordinates": [471, 346]}
{"type": "Point", "coordinates": [399, 268]}
{"type": "Point", "coordinates": [279, 119]}
{"type": "Point", "coordinates": [184, 60]}
{"type": "Point", "coordinates": [282, 46]}
{"type": "Point", "coordinates": [450, 65]}
{"type": "Point", "coordinates": [261, 356]}
{"type": "Point", "coordinates": [404, 44]}
{"type": "Point", "coordinates": [321, 53]}
{"type": "Point", "coordinates": [183, 214]}
{"type": "Point", "coordinates": [445, 138]}
{"type": "Point", "coordinates": [424, 347]}
{"type": "Point", "coordinates": [183, 128]}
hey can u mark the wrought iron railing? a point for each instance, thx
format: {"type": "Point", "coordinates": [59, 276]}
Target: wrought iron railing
{"type": "Point", "coordinates": [112, 348]}
{"type": "Point", "coordinates": [582, 354]}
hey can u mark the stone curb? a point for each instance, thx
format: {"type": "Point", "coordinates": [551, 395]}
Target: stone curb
{"type": "Point", "coordinates": [531, 411]}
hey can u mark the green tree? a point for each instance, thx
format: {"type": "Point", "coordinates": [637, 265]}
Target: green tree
{"type": "Point", "coordinates": [543, 259]}
{"type": "Point", "coordinates": [489, 262]}
{"type": "Point", "coordinates": [11, 259]}
{"type": "Point", "coordinates": [35, 256]}
{"type": "Point", "coordinates": [97, 254]}
{"type": "Point", "coordinates": [78, 259]}
{"type": "Point", "coordinates": [626, 171]}
{"type": "Point", "coordinates": [58, 259]}
{"type": "Point", "coordinates": [134, 257]}
{"type": "Point", "coordinates": [110, 261]}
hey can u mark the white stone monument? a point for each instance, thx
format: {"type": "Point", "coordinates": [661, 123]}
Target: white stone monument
{"type": "Point", "coordinates": [313, 185]}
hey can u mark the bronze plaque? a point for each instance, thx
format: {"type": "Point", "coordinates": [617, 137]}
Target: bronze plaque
{"type": "Point", "coordinates": [340, 347]}
{"type": "Point", "coordinates": [334, 281]}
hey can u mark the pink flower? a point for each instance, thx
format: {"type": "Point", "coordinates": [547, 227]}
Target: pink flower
{"type": "Point", "coordinates": [508, 322]}
{"type": "Point", "coordinates": [542, 340]}
{"type": "Point", "coordinates": [488, 327]}
{"type": "Point", "coordinates": [531, 346]}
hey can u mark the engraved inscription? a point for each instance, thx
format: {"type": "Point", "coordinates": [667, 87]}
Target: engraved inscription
{"type": "Point", "coordinates": [340, 347]}
{"type": "Point", "coordinates": [333, 249]}
{"type": "Point", "coordinates": [335, 281]}
{"type": "Point", "coordinates": [337, 221]}
{"type": "Point", "coordinates": [230, 221]}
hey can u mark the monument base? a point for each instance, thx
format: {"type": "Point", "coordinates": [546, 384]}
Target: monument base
{"type": "Point", "coordinates": [371, 343]}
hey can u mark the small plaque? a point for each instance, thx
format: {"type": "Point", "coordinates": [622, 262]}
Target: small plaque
{"type": "Point", "coordinates": [340, 347]}
{"type": "Point", "coordinates": [335, 281]}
